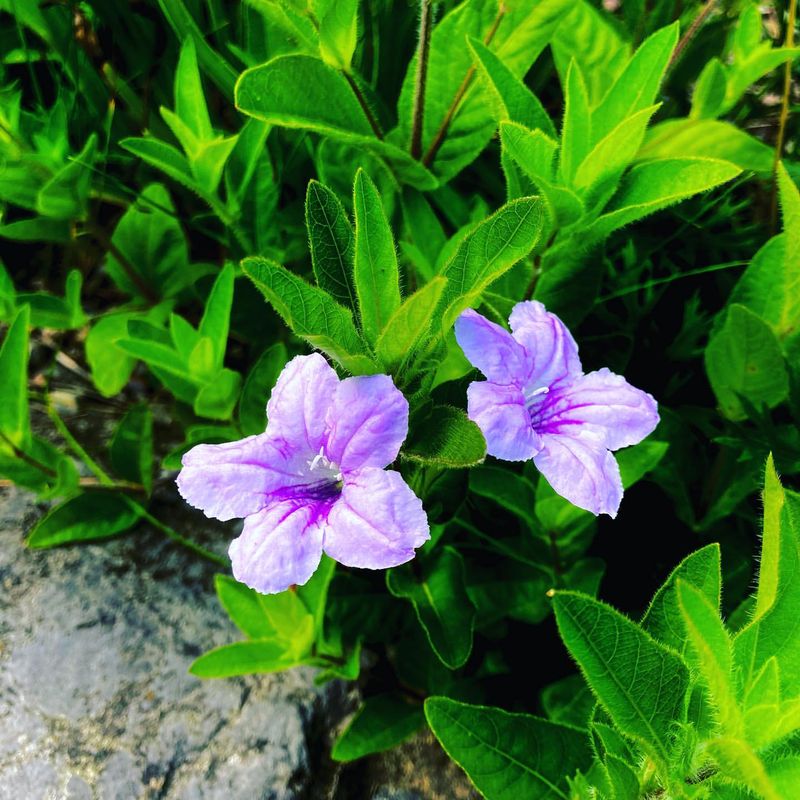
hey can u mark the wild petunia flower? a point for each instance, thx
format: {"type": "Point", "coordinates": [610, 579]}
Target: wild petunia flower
{"type": "Point", "coordinates": [537, 403]}
{"type": "Point", "coordinates": [314, 481]}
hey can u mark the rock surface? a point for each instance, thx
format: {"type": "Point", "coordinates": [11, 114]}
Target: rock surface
{"type": "Point", "coordinates": [96, 702]}
{"type": "Point", "coordinates": [95, 699]}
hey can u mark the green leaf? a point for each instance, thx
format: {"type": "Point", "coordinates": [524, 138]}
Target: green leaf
{"type": "Point", "coordinates": [297, 91]}
{"type": "Point", "coordinates": [637, 85]}
{"type": "Point", "coordinates": [131, 449]}
{"type": "Point", "coordinates": [635, 462]}
{"type": "Point", "coordinates": [771, 572]}
{"type": "Point", "coordinates": [330, 237]}
{"type": "Point", "coordinates": [311, 313]}
{"type": "Point", "coordinates": [258, 386]}
{"type": "Point", "coordinates": [409, 325]}
{"type": "Point", "coordinates": [576, 129]}
{"type": "Point", "coordinates": [151, 243]}
{"type": "Point", "coordinates": [509, 756]}
{"type": "Point", "coordinates": [441, 603]}
{"type": "Point", "coordinates": [218, 398]}
{"type": "Point", "coordinates": [314, 593]}
{"type": "Point", "coordinates": [770, 286]}
{"type": "Point", "coordinates": [216, 316]}
{"type": "Point", "coordinates": [622, 664]}
{"type": "Point", "coordinates": [66, 194]}
{"type": "Point", "coordinates": [375, 265]}
{"type": "Point", "coordinates": [511, 98]}
{"type": "Point", "coordinates": [243, 606]}
{"type": "Point", "coordinates": [654, 185]}
{"type": "Point", "coordinates": [338, 33]}
{"type": "Point", "coordinates": [737, 761]}
{"type": "Point", "coordinates": [569, 701]}
{"type": "Point", "coordinates": [88, 516]}
{"type": "Point", "coordinates": [14, 417]}
{"type": "Point", "coordinates": [190, 101]}
{"type": "Point", "coordinates": [709, 91]}
{"type": "Point", "coordinates": [488, 251]}
{"type": "Point", "coordinates": [381, 723]}
{"type": "Point", "coordinates": [514, 492]}
{"type": "Point", "coordinates": [518, 33]}
{"type": "Point", "coordinates": [254, 657]}
{"type": "Point", "coordinates": [589, 37]}
{"type": "Point", "coordinates": [445, 437]}
{"type": "Point", "coordinates": [744, 360]}
{"type": "Point", "coordinates": [706, 138]}
{"type": "Point", "coordinates": [701, 569]}
{"type": "Point", "coordinates": [711, 646]}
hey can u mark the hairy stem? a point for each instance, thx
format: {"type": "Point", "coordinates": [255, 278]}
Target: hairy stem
{"type": "Point", "coordinates": [362, 101]}
{"type": "Point", "coordinates": [784, 116]}
{"type": "Point", "coordinates": [438, 140]}
{"type": "Point", "coordinates": [691, 32]}
{"type": "Point", "coordinates": [423, 52]}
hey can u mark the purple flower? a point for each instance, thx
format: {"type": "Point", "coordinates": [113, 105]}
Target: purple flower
{"type": "Point", "coordinates": [314, 481]}
{"type": "Point", "coordinates": [538, 404]}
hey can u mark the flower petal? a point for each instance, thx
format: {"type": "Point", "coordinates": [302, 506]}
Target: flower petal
{"type": "Point", "coordinates": [583, 471]}
{"type": "Point", "coordinates": [234, 479]}
{"type": "Point", "coordinates": [499, 411]}
{"type": "Point", "coordinates": [604, 403]}
{"type": "Point", "coordinates": [551, 349]}
{"type": "Point", "coordinates": [377, 522]}
{"type": "Point", "coordinates": [300, 400]}
{"type": "Point", "coordinates": [278, 547]}
{"type": "Point", "coordinates": [368, 421]}
{"type": "Point", "coordinates": [492, 349]}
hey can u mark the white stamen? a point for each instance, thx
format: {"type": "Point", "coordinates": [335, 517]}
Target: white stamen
{"type": "Point", "coordinates": [314, 463]}
{"type": "Point", "coordinates": [540, 390]}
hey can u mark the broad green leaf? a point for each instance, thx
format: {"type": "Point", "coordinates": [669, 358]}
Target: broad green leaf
{"type": "Point", "coordinates": [338, 31]}
{"type": "Point", "coordinates": [258, 387]}
{"type": "Point", "coordinates": [654, 185]}
{"type": "Point", "coordinates": [711, 647]}
{"type": "Point", "coordinates": [216, 316]}
{"type": "Point", "coordinates": [516, 34]}
{"type": "Point", "coordinates": [512, 99]}
{"type": "Point", "coordinates": [152, 246]}
{"type": "Point", "coordinates": [243, 606]}
{"type": "Point", "coordinates": [514, 492]}
{"type": "Point", "coordinates": [706, 138]}
{"type": "Point", "coordinates": [298, 91]}
{"type": "Point", "coordinates": [745, 72]}
{"type": "Point", "coordinates": [489, 250]}
{"type": "Point", "coordinates": [445, 437]}
{"type": "Point", "coordinates": [243, 658]}
{"type": "Point", "coordinates": [131, 449]}
{"type": "Point", "coordinates": [744, 360]}
{"type": "Point", "coordinates": [637, 85]}
{"type": "Point", "coordinates": [330, 236]}
{"type": "Point", "coordinates": [509, 756]}
{"type": "Point", "coordinates": [217, 399]}
{"type": "Point", "coordinates": [436, 589]}
{"type": "Point", "coordinates": [709, 91]}
{"type": "Point", "coordinates": [291, 620]}
{"type": "Point", "coordinates": [569, 701]}
{"type": "Point", "coordinates": [409, 325]}
{"type": "Point", "coordinates": [576, 128]}
{"type": "Point", "coordinates": [66, 194]}
{"type": "Point", "coordinates": [790, 206]}
{"type": "Point", "coordinates": [88, 516]}
{"type": "Point", "coordinates": [314, 593]}
{"type": "Point", "coordinates": [635, 462]}
{"type": "Point", "coordinates": [770, 568]}
{"type": "Point", "coordinates": [375, 264]}
{"type": "Point", "coordinates": [190, 101]}
{"type": "Point", "coordinates": [382, 722]}
{"type": "Point", "coordinates": [424, 226]}
{"type": "Point", "coordinates": [311, 313]}
{"type": "Point", "coordinates": [14, 417]}
{"type": "Point", "coordinates": [701, 569]}
{"type": "Point", "coordinates": [622, 664]}
{"type": "Point", "coordinates": [163, 157]}
{"type": "Point", "coordinates": [738, 762]}
{"type": "Point", "coordinates": [209, 160]}
{"type": "Point", "coordinates": [608, 159]}
{"type": "Point", "coordinates": [587, 35]}
{"type": "Point", "coordinates": [773, 630]}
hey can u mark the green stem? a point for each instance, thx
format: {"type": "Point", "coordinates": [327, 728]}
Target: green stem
{"type": "Point", "coordinates": [691, 32]}
{"type": "Point", "coordinates": [423, 51]}
{"type": "Point", "coordinates": [362, 101]}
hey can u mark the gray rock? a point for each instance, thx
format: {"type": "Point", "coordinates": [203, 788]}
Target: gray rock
{"type": "Point", "coordinates": [95, 699]}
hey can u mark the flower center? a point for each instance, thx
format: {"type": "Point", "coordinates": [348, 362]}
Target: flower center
{"type": "Point", "coordinates": [535, 400]}
{"type": "Point", "coordinates": [325, 478]}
